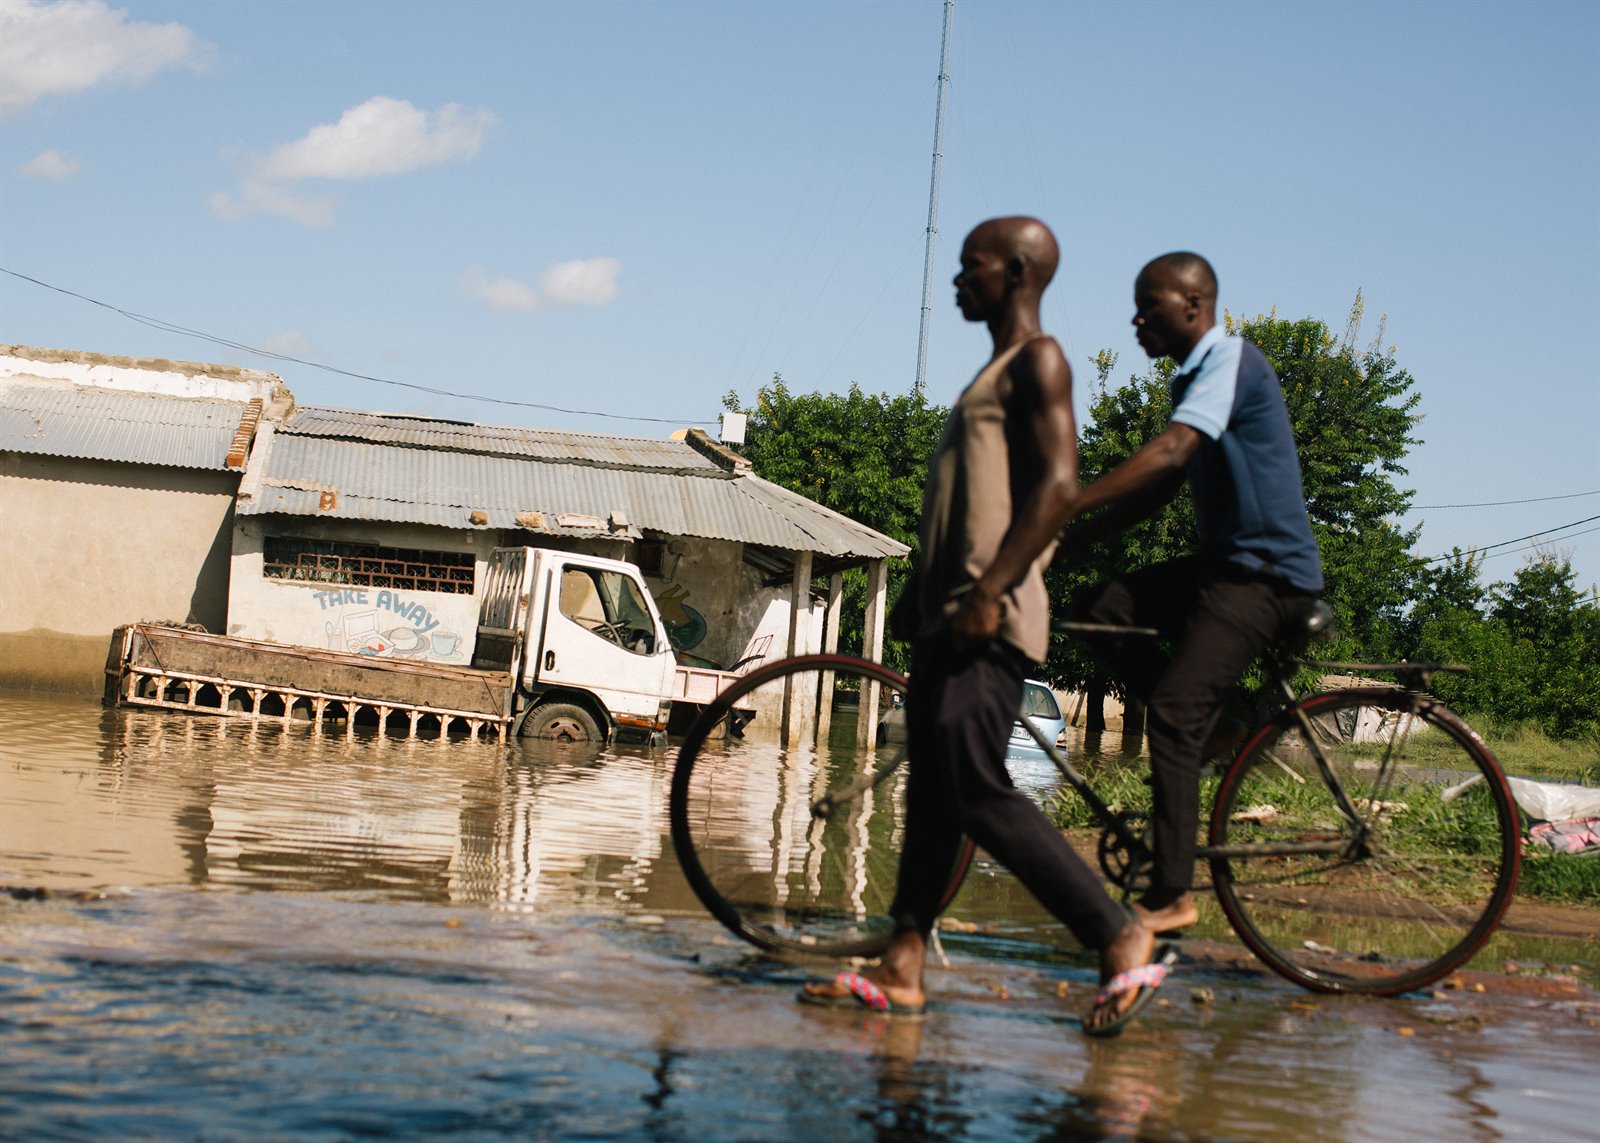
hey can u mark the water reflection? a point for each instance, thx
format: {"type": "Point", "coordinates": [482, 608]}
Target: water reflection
{"type": "Point", "coordinates": [157, 799]}
{"type": "Point", "coordinates": [426, 938]}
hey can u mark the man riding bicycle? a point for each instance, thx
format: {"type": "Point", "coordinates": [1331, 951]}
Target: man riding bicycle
{"type": "Point", "coordinates": [1256, 570]}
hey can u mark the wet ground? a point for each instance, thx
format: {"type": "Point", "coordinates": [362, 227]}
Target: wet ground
{"type": "Point", "coordinates": [252, 932]}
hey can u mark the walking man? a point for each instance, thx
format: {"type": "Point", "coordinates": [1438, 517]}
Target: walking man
{"type": "Point", "coordinates": [1256, 572]}
{"type": "Point", "coordinates": [1001, 486]}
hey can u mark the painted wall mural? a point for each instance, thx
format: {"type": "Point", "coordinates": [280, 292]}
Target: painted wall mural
{"type": "Point", "coordinates": [386, 624]}
{"type": "Point", "coordinates": [686, 627]}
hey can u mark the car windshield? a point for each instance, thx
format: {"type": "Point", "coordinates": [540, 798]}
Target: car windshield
{"type": "Point", "coordinates": [1039, 702]}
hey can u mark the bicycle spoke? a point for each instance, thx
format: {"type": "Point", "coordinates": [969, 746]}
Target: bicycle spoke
{"type": "Point", "coordinates": [1426, 877]}
{"type": "Point", "coordinates": [798, 849]}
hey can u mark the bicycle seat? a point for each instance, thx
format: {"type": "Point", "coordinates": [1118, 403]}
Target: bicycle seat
{"type": "Point", "coordinates": [1319, 624]}
{"type": "Point", "coordinates": [1315, 626]}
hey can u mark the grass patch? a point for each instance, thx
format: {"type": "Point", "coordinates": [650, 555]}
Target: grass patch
{"type": "Point", "coordinates": [1528, 752]}
{"type": "Point", "coordinates": [1565, 878]}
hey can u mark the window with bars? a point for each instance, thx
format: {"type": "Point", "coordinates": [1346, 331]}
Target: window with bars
{"type": "Point", "coordinates": [367, 565]}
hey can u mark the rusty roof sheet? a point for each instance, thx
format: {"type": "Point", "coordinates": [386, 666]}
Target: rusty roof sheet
{"type": "Point", "coordinates": [117, 425]}
{"type": "Point", "coordinates": [496, 440]}
{"type": "Point", "coordinates": [442, 486]}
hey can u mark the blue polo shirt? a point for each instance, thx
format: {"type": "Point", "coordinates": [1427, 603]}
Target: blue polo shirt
{"type": "Point", "coordinates": [1245, 477]}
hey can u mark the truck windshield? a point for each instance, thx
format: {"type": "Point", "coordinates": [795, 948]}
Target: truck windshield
{"type": "Point", "coordinates": [610, 605]}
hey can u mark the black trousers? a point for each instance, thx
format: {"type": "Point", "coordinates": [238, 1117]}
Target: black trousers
{"type": "Point", "coordinates": [1220, 617]}
{"type": "Point", "coordinates": [959, 713]}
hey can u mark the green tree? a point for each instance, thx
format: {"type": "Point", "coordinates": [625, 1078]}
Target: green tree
{"type": "Point", "coordinates": [1532, 651]}
{"type": "Point", "coordinates": [862, 455]}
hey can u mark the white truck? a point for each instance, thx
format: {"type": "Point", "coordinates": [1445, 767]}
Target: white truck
{"type": "Point", "coordinates": [569, 647]}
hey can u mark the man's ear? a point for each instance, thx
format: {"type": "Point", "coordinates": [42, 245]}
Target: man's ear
{"type": "Point", "coordinates": [1016, 268]}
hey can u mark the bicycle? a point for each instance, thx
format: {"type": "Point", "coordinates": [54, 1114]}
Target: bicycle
{"type": "Point", "coordinates": [1352, 845]}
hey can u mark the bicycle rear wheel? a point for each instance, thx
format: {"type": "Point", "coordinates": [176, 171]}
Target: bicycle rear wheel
{"type": "Point", "coordinates": [798, 850]}
{"type": "Point", "coordinates": [1388, 890]}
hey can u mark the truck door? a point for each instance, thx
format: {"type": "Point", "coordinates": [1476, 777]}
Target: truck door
{"type": "Point", "coordinates": [602, 635]}
{"type": "Point", "coordinates": [503, 611]}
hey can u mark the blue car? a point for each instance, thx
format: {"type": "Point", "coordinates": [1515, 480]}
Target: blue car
{"type": "Point", "coordinates": [1039, 706]}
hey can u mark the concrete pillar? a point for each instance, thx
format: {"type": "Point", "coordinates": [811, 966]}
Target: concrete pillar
{"type": "Point", "coordinates": [799, 692]}
{"type": "Point", "coordinates": [872, 648]}
{"type": "Point", "coordinates": [830, 644]}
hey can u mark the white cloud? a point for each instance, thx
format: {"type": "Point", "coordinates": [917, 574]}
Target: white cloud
{"type": "Point", "coordinates": [380, 137]}
{"type": "Point", "coordinates": [74, 45]}
{"type": "Point", "coordinates": [588, 282]}
{"type": "Point", "coordinates": [256, 197]}
{"type": "Point", "coordinates": [499, 294]}
{"type": "Point", "coordinates": [56, 166]}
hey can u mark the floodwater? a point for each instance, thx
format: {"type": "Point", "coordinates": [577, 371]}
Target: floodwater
{"type": "Point", "coordinates": [263, 932]}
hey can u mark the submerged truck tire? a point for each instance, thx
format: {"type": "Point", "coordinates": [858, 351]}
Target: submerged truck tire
{"type": "Point", "coordinates": [562, 722]}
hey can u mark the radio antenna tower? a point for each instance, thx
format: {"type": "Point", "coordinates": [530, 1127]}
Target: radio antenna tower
{"type": "Point", "coordinates": [933, 201]}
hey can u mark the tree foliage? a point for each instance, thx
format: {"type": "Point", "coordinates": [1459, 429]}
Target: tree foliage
{"type": "Point", "coordinates": [864, 456]}
{"type": "Point", "coordinates": [1531, 645]}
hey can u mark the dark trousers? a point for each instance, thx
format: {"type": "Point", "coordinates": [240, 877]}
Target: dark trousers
{"type": "Point", "coordinates": [1220, 617]}
{"type": "Point", "coordinates": [959, 713]}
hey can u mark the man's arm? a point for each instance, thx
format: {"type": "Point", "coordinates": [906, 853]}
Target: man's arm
{"type": "Point", "coordinates": [1135, 489]}
{"type": "Point", "coordinates": [1040, 400]}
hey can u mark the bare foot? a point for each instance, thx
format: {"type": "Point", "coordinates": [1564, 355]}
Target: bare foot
{"type": "Point", "coordinates": [1178, 913]}
{"type": "Point", "coordinates": [1129, 949]}
{"type": "Point", "coordinates": [899, 974]}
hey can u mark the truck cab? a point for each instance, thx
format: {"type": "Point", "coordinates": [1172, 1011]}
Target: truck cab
{"type": "Point", "coordinates": [583, 640]}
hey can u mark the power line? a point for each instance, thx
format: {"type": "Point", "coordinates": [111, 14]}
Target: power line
{"type": "Point", "coordinates": [1531, 547]}
{"type": "Point", "coordinates": [172, 327]}
{"type": "Point", "coordinates": [1544, 532]}
{"type": "Point", "coordinates": [1498, 503]}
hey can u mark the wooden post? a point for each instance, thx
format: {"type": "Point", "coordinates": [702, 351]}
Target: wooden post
{"type": "Point", "coordinates": [872, 648]}
{"type": "Point", "coordinates": [796, 718]}
{"type": "Point", "coordinates": [830, 644]}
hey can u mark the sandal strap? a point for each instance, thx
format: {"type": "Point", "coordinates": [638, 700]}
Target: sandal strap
{"type": "Point", "coordinates": [1145, 976]}
{"type": "Point", "coordinates": [864, 990]}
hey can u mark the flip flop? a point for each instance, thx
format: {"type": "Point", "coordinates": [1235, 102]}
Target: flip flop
{"type": "Point", "coordinates": [1147, 978]}
{"type": "Point", "coordinates": [861, 993]}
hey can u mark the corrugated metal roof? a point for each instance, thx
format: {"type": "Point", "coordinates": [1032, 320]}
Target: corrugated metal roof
{"type": "Point", "coordinates": [501, 440]}
{"type": "Point", "coordinates": [109, 424]}
{"type": "Point", "coordinates": [440, 487]}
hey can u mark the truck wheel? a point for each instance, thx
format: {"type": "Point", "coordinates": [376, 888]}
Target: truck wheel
{"type": "Point", "coordinates": [561, 722]}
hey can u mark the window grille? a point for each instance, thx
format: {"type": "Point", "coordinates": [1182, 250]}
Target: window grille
{"type": "Point", "coordinates": [368, 565]}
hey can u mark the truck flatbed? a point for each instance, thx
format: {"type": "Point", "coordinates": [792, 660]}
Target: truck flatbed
{"type": "Point", "coordinates": [176, 668]}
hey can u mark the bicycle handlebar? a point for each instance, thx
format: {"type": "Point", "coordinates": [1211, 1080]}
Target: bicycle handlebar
{"type": "Point", "coordinates": [1074, 627]}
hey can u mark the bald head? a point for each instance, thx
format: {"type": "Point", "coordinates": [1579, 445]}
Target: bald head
{"type": "Point", "coordinates": [1174, 304]}
{"type": "Point", "coordinates": [1185, 271]}
{"type": "Point", "coordinates": [1025, 239]}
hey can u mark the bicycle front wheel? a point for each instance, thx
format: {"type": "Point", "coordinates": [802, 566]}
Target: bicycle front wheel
{"type": "Point", "coordinates": [1371, 847]}
{"type": "Point", "coordinates": [797, 849]}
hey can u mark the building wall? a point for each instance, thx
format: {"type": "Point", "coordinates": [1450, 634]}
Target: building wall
{"type": "Point", "coordinates": [715, 605]}
{"type": "Point", "coordinates": [89, 545]}
{"type": "Point", "coordinates": [435, 626]}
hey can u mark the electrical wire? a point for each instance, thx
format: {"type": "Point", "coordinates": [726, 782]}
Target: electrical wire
{"type": "Point", "coordinates": [172, 327]}
{"type": "Point", "coordinates": [1532, 547]}
{"type": "Point", "coordinates": [1499, 503]}
{"type": "Point", "coordinates": [1543, 532]}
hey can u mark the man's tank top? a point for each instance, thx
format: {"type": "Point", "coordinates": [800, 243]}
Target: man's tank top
{"type": "Point", "coordinates": [977, 482]}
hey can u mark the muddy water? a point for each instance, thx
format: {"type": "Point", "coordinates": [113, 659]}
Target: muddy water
{"type": "Point", "coordinates": [261, 933]}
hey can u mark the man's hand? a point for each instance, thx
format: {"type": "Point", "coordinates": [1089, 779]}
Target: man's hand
{"type": "Point", "coordinates": [978, 620]}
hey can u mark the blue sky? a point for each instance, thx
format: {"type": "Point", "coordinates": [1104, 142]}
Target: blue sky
{"type": "Point", "coordinates": [631, 208]}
